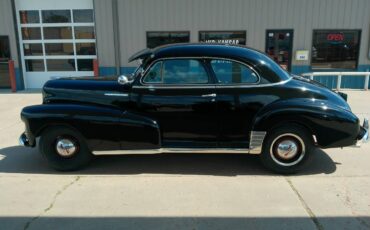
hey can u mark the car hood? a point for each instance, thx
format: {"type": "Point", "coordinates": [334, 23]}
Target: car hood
{"type": "Point", "coordinates": [99, 90]}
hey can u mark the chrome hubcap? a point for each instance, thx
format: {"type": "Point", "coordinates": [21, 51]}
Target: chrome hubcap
{"type": "Point", "coordinates": [287, 149]}
{"type": "Point", "coordinates": [66, 147]}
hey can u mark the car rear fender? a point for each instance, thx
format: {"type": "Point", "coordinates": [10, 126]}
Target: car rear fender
{"type": "Point", "coordinates": [332, 126]}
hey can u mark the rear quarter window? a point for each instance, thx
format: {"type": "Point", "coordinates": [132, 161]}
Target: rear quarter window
{"type": "Point", "coordinates": [232, 72]}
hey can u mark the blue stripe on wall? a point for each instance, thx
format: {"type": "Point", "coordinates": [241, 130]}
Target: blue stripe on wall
{"type": "Point", "coordinates": [18, 79]}
{"type": "Point", "coordinates": [350, 82]}
{"type": "Point", "coordinates": [106, 71]}
{"type": "Point", "coordinates": [127, 70]}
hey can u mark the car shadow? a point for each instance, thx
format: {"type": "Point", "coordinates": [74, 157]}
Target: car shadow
{"type": "Point", "coordinates": [18, 159]}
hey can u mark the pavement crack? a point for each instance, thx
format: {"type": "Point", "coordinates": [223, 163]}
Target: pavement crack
{"type": "Point", "coordinates": [51, 205]}
{"type": "Point", "coordinates": [305, 206]}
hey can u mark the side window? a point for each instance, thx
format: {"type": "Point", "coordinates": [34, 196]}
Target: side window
{"type": "Point", "coordinates": [177, 71]}
{"type": "Point", "coordinates": [230, 72]}
{"type": "Point", "coordinates": [154, 74]}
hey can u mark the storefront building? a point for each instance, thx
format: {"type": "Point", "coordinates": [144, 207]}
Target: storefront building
{"type": "Point", "coordinates": [49, 39]}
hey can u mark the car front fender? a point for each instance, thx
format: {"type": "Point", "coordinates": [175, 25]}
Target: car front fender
{"type": "Point", "coordinates": [104, 128]}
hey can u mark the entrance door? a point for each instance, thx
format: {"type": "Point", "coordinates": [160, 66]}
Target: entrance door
{"type": "Point", "coordinates": [4, 58]}
{"type": "Point", "coordinates": [279, 45]}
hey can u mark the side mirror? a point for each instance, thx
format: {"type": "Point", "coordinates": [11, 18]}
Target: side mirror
{"type": "Point", "coordinates": [122, 80]}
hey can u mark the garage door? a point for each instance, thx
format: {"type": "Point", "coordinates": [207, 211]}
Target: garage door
{"type": "Point", "coordinates": [57, 39]}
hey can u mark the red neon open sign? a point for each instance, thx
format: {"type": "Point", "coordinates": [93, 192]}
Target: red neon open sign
{"type": "Point", "coordinates": [335, 37]}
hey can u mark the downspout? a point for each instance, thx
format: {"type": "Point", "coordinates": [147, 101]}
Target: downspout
{"type": "Point", "coordinates": [117, 53]}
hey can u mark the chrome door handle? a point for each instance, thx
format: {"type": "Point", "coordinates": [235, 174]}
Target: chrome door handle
{"type": "Point", "coordinates": [209, 95]}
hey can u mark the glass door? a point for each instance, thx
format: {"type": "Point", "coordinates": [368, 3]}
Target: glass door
{"type": "Point", "coordinates": [4, 59]}
{"type": "Point", "coordinates": [56, 40]}
{"type": "Point", "coordinates": [279, 44]}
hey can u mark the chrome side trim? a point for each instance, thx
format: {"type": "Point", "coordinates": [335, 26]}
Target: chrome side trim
{"type": "Point", "coordinates": [116, 94]}
{"type": "Point", "coordinates": [174, 150]}
{"type": "Point", "coordinates": [314, 139]}
{"type": "Point", "coordinates": [23, 141]}
{"type": "Point", "coordinates": [256, 141]}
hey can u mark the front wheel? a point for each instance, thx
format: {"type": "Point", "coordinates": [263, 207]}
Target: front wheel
{"type": "Point", "coordinates": [64, 148]}
{"type": "Point", "coordinates": [286, 149]}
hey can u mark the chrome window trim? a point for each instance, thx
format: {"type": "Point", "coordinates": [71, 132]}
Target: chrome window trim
{"type": "Point", "coordinates": [204, 85]}
{"type": "Point", "coordinates": [244, 64]}
{"type": "Point", "coordinates": [209, 86]}
{"type": "Point", "coordinates": [174, 58]}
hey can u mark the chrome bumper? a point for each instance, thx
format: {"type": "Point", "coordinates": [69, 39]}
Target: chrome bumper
{"type": "Point", "coordinates": [23, 140]}
{"type": "Point", "coordinates": [365, 135]}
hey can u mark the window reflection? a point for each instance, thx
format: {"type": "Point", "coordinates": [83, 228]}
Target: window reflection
{"type": "Point", "coordinates": [59, 49]}
{"type": "Point", "coordinates": [84, 32]}
{"type": "Point", "coordinates": [230, 72]}
{"type": "Point", "coordinates": [34, 65]}
{"type": "Point", "coordinates": [29, 33]}
{"type": "Point", "coordinates": [29, 16]}
{"type": "Point", "coordinates": [155, 39]}
{"type": "Point", "coordinates": [57, 33]}
{"type": "Point", "coordinates": [83, 16]}
{"type": "Point", "coordinates": [85, 64]}
{"type": "Point", "coordinates": [56, 16]}
{"type": "Point", "coordinates": [227, 37]}
{"type": "Point", "coordinates": [85, 48]}
{"type": "Point", "coordinates": [60, 64]}
{"type": "Point", "coordinates": [32, 49]}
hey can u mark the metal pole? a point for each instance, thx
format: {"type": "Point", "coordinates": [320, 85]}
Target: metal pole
{"type": "Point", "coordinates": [13, 83]}
{"type": "Point", "coordinates": [339, 81]}
{"type": "Point", "coordinates": [117, 53]}
{"type": "Point", "coordinates": [311, 76]}
{"type": "Point", "coordinates": [366, 87]}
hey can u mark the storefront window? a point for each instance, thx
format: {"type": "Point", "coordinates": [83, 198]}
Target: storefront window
{"type": "Point", "coordinates": [154, 39]}
{"type": "Point", "coordinates": [227, 37]}
{"type": "Point", "coordinates": [335, 49]}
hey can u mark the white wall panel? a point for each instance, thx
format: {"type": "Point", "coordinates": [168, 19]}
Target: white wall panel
{"type": "Point", "coordinates": [255, 16]}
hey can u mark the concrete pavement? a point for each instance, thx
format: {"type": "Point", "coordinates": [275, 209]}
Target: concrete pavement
{"type": "Point", "coordinates": [180, 191]}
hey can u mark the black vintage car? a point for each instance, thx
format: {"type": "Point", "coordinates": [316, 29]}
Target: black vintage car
{"type": "Point", "coordinates": [192, 98]}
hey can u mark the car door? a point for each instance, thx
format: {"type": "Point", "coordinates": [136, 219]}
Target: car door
{"type": "Point", "coordinates": [237, 101]}
{"type": "Point", "coordinates": [179, 94]}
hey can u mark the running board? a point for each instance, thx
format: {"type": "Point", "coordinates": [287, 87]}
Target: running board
{"type": "Point", "coordinates": [178, 150]}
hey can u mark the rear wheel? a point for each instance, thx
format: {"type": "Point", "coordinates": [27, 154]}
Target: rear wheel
{"type": "Point", "coordinates": [286, 149]}
{"type": "Point", "coordinates": [64, 148]}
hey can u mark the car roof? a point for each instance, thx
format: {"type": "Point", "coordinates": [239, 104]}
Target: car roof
{"type": "Point", "coordinates": [269, 70]}
{"type": "Point", "coordinates": [195, 50]}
